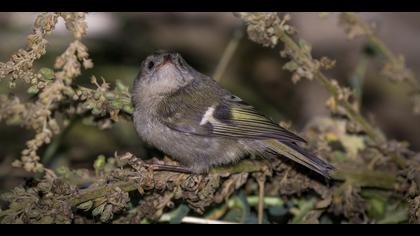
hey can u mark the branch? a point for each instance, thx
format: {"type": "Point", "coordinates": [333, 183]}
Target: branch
{"type": "Point", "coordinates": [245, 166]}
{"type": "Point", "coordinates": [360, 177]}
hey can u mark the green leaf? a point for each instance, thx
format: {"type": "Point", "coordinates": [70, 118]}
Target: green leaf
{"type": "Point", "coordinates": [395, 214]}
{"type": "Point", "coordinates": [99, 163]}
{"type": "Point", "coordinates": [121, 87]}
{"type": "Point", "coordinates": [128, 108]}
{"type": "Point", "coordinates": [325, 220]}
{"type": "Point", "coordinates": [240, 210]}
{"type": "Point", "coordinates": [277, 210]}
{"type": "Point", "coordinates": [33, 89]}
{"type": "Point", "coordinates": [98, 210]}
{"type": "Point", "coordinates": [47, 73]}
{"type": "Point", "coordinates": [234, 215]}
{"type": "Point", "coordinates": [376, 207]}
{"type": "Point", "coordinates": [304, 206]}
{"type": "Point", "coordinates": [340, 156]}
{"type": "Point", "coordinates": [86, 206]}
{"type": "Point", "coordinates": [400, 215]}
{"type": "Point", "coordinates": [110, 95]}
{"type": "Point", "coordinates": [290, 66]}
{"type": "Point", "coordinates": [116, 104]}
{"type": "Point", "coordinates": [179, 214]}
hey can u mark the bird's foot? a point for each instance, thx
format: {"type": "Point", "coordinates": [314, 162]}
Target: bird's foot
{"type": "Point", "coordinates": [171, 168]}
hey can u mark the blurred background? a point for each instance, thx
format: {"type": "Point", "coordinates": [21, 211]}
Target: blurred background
{"type": "Point", "coordinates": [118, 42]}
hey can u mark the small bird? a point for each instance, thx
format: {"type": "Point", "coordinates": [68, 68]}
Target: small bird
{"type": "Point", "coordinates": [192, 118]}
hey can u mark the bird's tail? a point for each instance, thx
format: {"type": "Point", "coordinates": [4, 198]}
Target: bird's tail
{"type": "Point", "coordinates": [300, 155]}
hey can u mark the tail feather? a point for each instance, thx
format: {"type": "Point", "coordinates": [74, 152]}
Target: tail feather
{"type": "Point", "coordinates": [301, 156]}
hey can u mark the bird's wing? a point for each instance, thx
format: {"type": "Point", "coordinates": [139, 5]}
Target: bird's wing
{"type": "Point", "coordinates": [226, 116]}
{"type": "Point", "coordinates": [234, 118]}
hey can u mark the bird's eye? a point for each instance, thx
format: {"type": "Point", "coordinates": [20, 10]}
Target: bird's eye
{"type": "Point", "coordinates": [150, 65]}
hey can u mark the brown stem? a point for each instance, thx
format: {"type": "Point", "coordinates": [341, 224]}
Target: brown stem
{"type": "Point", "coordinates": [94, 193]}
{"type": "Point", "coordinates": [261, 189]}
{"type": "Point", "coordinates": [171, 168]}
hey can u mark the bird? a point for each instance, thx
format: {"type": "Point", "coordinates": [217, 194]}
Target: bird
{"type": "Point", "coordinates": [193, 119]}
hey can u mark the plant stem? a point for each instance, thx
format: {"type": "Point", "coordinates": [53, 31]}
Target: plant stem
{"type": "Point", "coordinates": [53, 147]}
{"type": "Point", "coordinates": [261, 183]}
{"type": "Point", "coordinates": [357, 79]}
{"type": "Point", "coordinates": [355, 116]}
{"type": "Point", "coordinates": [227, 55]}
{"type": "Point", "coordinates": [94, 193]}
{"type": "Point", "coordinates": [360, 177]}
{"type": "Point", "coordinates": [128, 186]}
{"type": "Point", "coordinates": [379, 44]}
{"type": "Point", "coordinates": [366, 178]}
{"type": "Point", "coordinates": [243, 166]}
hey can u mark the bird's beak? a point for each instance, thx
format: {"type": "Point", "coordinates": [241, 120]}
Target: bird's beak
{"type": "Point", "coordinates": [166, 59]}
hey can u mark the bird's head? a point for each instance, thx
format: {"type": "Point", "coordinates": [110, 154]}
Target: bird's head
{"type": "Point", "coordinates": [163, 73]}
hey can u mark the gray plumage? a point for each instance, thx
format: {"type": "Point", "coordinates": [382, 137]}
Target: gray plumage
{"type": "Point", "coordinates": [190, 117]}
